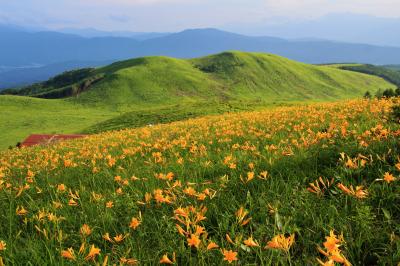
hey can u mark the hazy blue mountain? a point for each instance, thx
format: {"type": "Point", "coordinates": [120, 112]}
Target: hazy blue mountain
{"type": "Point", "coordinates": [92, 33]}
{"type": "Point", "coordinates": [28, 75]}
{"type": "Point", "coordinates": [200, 42]}
{"type": "Point", "coordinates": [344, 27]}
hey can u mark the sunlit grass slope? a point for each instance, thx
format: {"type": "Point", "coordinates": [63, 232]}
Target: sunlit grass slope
{"type": "Point", "coordinates": [213, 190]}
{"type": "Point", "coordinates": [160, 89]}
{"type": "Point", "coordinates": [223, 77]}
{"type": "Point", "coordinates": [21, 116]}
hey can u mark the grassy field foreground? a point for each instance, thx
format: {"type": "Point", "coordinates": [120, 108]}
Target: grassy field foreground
{"type": "Point", "coordinates": [296, 185]}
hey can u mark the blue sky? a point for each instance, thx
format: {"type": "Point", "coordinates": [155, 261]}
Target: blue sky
{"type": "Point", "coordinates": [174, 15]}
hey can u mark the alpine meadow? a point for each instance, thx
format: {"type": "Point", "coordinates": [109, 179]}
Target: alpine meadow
{"type": "Point", "coordinates": [130, 136]}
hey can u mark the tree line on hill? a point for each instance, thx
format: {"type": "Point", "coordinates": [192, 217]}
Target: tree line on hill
{"type": "Point", "coordinates": [388, 93]}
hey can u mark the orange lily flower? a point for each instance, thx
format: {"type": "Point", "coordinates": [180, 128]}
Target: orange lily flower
{"type": "Point", "coordinates": [230, 255]}
{"type": "Point", "coordinates": [194, 241]}
{"type": "Point", "coordinates": [165, 260]}
{"type": "Point", "coordinates": [281, 242]}
{"type": "Point", "coordinates": [68, 254]}
{"type": "Point", "coordinates": [212, 245]}
{"type": "Point", "coordinates": [250, 242]}
{"type": "Point", "coordinates": [93, 252]}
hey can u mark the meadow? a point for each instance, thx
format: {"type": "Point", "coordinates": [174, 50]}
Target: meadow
{"type": "Point", "coordinates": [302, 185]}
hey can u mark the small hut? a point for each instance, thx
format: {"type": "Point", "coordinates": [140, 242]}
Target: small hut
{"type": "Point", "coordinates": [43, 139]}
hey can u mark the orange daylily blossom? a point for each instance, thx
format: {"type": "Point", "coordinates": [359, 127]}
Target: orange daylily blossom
{"type": "Point", "coordinates": [165, 260]}
{"type": "Point", "coordinates": [212, 245]}
{"type": "Point", "coordinates": [119, 191]}
{"type": "Point", "coordinates": [241, 215]}
{"type": "Point", "coordinates": [194, 241]}
{"type": "Point", "coordinates": [85, 230]}
{"type": "Point", "coordinates": [398, 166]}
{"type": "Point", "coordinates": [320, 186]}
{"type": "Point", "coordinates": [130, 261]}
{"type": "Point", "coordinates": [2, 245]}
{"type": "Point", "coordinates": [332, 242]}
{"type": "Point", "coordinates": [82, 248]}
{"type": "Point", "coordinates": [147, 197]}
{"type": "Point", "coordinates": [119, 238]}
{"type": "Point", "coordinates": [107, 237]}
{"type": "Point", "coordinates": [180, 230]}
{"type": "Point", "coordinates": [109, 204]}
{"type": "Point", "coordinates": [117, 179]}
{"type": "Point", "coordinates": [333, 253]}
{"type": "Point", "coordinates": [201, 196]}
{"type": "Point", "coordinates": [229, 239]}
{"type": "Point", "coordinates": [20, 211]}
{"type": "Point", "coordinates": [135, 222]}
{"type": "Point", "coordinates": [61, 187]}
{"type": "Point", "coordinates": [116, 239]}
{"type": "Point", "coordinates": [68, 254]}
{"type": "Point", "coordinates": [199, 230]}
{"type": "Point", "coordinates": [134, 178]}
{"type": "Point", "coordinates": [281, 242]}
{"type": "Point", "coordinates": [72, 202]}
{"type": "Point", "coordinates": [181, 212]}
{"type": "Point", "coordinates": [388, 177]}
{"type": "Point", "coordinates": [250, 242]}
{"type": "Point", "coordinates": [358, 192]}
{"type": "Point", "coordinates": [250, 176]}
{"type": "Point", "coordinates": [93, 252]}
{"type": "Point", "coordinates": [190, 191]}
{"type": "Point", "coordinates": [230, 255]}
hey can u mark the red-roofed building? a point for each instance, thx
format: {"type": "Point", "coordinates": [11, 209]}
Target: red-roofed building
{"type": "Point", "coordinates": [37, 139]}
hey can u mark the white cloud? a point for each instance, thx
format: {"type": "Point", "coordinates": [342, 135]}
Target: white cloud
{"type": "Point", "coordinates": [302, 8]}
{"type": "Point", "coordinates": [172, 15]}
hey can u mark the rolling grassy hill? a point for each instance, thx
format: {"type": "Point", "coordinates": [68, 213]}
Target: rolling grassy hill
{"type": "Point", "coordinates": [219, 83]}
{"type": "Point", "coordinates": [394, 67]}
{"type": "Point", "coordinates": [386, 73]}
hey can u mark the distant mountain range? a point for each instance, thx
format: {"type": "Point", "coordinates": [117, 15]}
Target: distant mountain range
{"type": "Point", "coordinates": [24, 48]}
{"type": "Point", "coordinates": [18, 77]}
{"type": "Point", "coordinates": [344, 27]}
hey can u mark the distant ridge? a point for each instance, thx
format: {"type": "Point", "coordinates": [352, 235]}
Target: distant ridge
{"type": "Point", "coordinates": [23, 48]}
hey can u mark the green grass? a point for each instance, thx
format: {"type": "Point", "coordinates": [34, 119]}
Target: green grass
{"type": "Point", "coordinates": [21, 116]}
{"type": "Point", "coordinates": [147, 90]}
{"type": "Point", "coordinates": [223, 77]}
{"type": "Point", "coordinates": [394, 67]}
{"type": "Point", "coordinates": [390, 75]}
{"type": "Point", "coordinates": [295, 145]}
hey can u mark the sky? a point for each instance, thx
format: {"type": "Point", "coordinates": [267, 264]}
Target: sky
{"type": "Point", "coordinates": [175, 15]}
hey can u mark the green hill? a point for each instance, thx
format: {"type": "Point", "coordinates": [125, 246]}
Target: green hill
{"type": "Point", "coordinates": [393, 67]}
{"type": "Point", "coordinates": [222, 77]}
{"type": "Point", "coordinates": [390, 75]}
{"type": "Point", "coordinates": [160, 89]}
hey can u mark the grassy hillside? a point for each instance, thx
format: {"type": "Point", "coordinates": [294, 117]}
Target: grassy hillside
{"type": "Point", "coordinates": [161, 89]}
{"type": "Point", "coordinates": [21, 116]}
{"type": "Point", "coordinates": [221, 77]}
{"type": "Point", "coordinates": [272, 77]}
{"type": "Point", "coordinates": [394, 67]}
{"type": "Point", "coordinates": [389, 75]}
{"type": "Point", "coordinates": [289, 186]}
